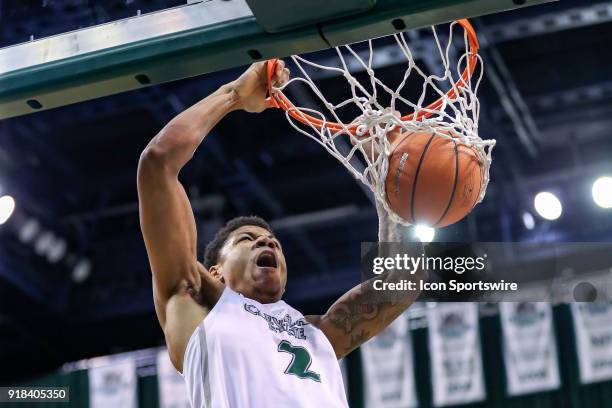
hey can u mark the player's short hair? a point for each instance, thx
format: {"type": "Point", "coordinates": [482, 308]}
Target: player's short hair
{"type": "Point", "coordinates": [213, 249]}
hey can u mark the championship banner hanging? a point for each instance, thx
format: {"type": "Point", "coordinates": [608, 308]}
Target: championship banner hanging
{"type": "Point", "coordinates": [388, 368]}
{"type": "Point", "coordinates": [593, 328]}
{"type": "Point", "coordinates": [454, 348]}
{"type": "Point", "coordinates": [529, 347]}
{"type": "Point", "coordinates": [113, 384]}
{"type": "Point", "coordinates": [172, 388]}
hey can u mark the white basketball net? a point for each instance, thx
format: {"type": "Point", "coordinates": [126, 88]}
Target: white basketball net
{"type": "Point", "coordinates": [456, 115]}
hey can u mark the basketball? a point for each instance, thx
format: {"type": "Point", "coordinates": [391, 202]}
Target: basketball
{"type": "Point", "coordinates": [432, 179]}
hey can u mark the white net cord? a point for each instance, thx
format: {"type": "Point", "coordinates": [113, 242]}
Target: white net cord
{"type": "Point", "coordinates": [454, 117]}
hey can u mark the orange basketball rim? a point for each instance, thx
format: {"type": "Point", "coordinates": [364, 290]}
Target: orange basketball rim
{"type": "Point", "coordinates": [279, 100]}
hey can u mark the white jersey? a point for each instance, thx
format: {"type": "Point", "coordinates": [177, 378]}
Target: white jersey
{"type": "Point", "coordinates": [246, 354]}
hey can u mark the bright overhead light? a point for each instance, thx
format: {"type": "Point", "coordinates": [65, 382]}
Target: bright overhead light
{"type": "Point", "coordinates": [56, 251]}
{"type": "Point", "coordinates": [28, 231]}
{"type": "Point", "coordinates": [81, 270]}
{"type": "Point", "coordinates": [43, 243]}
{"type": "Point", "coordinates": [528, 220]}
{"type": "Point", "coordinates": [602, 192]}
{"type": "Point", "coordinates": [424, 233]}
{"type": "Point", "coordinates": [548, 205]}
{"type": "Point", "coordinates": [7, 206]}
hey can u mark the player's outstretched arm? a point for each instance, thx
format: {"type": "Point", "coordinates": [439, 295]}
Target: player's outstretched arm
{"type": "Point", "coordinates": [363, 312]}
{"type": "Point", "coordinates": [182, 287]}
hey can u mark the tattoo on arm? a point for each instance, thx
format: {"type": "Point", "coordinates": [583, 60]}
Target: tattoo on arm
{"type": "Point", "coordinates": [348, 314]}
{"type": "Point", "coordinates": [363, 312]}
{"type": "Point", "coordinates": [361, 315]}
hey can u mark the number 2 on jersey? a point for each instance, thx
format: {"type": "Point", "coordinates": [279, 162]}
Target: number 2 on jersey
{"type": "Point", "coordinates": [300, 361]}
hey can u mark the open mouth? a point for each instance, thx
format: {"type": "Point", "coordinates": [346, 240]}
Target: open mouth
{"type": "Point", "coordinates": [266, 259]}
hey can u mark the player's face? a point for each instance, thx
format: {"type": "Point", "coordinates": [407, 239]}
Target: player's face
{"type": "Point", "coordinates": [252, 263]}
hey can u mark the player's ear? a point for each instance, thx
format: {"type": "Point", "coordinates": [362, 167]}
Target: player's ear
{"type": "Point", "coordinates": [215, 271]}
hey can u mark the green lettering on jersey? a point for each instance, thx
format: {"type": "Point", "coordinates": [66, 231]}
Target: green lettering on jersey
{"type": "Point", "coordinates": [300, 361]}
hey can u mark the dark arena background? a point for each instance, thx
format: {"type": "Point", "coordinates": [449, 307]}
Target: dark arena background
{"type": "Point", "coordinates": [75, 282]}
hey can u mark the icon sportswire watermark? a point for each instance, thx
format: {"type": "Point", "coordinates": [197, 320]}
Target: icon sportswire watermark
{"type": "Point", "coordinates": [489, 271]}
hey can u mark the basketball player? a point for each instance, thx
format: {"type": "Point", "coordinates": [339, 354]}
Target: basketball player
{"type": "Point", "coordinates": [235, 341]}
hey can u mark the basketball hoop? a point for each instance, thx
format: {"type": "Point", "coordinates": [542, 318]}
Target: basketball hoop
{"type": "Point", "coordinates": [452, 116]}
